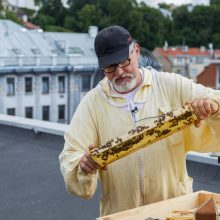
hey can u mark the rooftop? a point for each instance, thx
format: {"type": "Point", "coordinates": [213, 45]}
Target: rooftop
{"type": "Point", "coordinates": [21, 47]}
{"type": "Point", "coordinates": [189, 51]}
{"type": "Point", "coordinates": [31, 183]}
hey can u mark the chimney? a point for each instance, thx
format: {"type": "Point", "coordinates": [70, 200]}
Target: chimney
{"type": "Point", "coordinates": [185, 48]}
{"type": "Point", "coordinates": [24, 18]}
{"type": "Point", "coordinates": [202, 48]}
{"type": "Point", "coordinates": [93, 30]}
{"type": "Point", "coordinates": [165, 46]}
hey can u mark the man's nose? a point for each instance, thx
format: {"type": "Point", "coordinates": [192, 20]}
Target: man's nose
{"type": "Point", "coordinates": [119, 71]}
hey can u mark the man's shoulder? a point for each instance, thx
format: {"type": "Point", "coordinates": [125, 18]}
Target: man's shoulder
{"type": "Point", "coordinates": [155, 74]}
{"type": "Point", "coordinates": [91, 94]}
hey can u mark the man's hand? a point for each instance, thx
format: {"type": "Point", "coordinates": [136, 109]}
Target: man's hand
{"type": "Point", "coordinates": [86, 163]}
{"type": "Point", "coordinates": [204, 108]}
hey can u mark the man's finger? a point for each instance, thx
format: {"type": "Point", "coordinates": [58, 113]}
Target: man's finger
{"type": "Point", "coordinates": [214, 107]}
{"type": "Point", "coordinates": [91, 146]}
{"type": "Point", "coordinates": [86, 169]}
{"type": "Point", "coordinates": [198, 124]}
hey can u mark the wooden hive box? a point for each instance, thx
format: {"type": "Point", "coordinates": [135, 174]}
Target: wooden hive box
{"type": "Point", "coordinates": [164, 208]}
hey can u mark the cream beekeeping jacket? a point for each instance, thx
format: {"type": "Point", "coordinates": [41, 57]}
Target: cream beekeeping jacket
{"type": "Point", "coordinates": [151, 174]}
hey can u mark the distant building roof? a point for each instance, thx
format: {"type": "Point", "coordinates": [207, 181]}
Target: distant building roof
{"type": "Point", "coordinates": [17, 42]}
{"type": "Point", "coordinates": [23, 4]}
{"type": "Point", "coordinates": [175, 51]}
{"type": "Point", "coordinates": [30, 26]}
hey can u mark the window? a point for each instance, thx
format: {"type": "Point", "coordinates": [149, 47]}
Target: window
{"type": "Point", "coordinates": [28, 84]}
{"type": "Point", "coordinates": [179, 60]}
{"type": "Point", "coordinates": [193, 72]}
{"type": "Point", "coordinates": [17, 51]}
{"type": "Point", "coordinates": [10, 86]}
{"type": "Point", "coordinates": [36, 51]}
{"type": "Point", "coordinates": [46, 113]}
{"type": "Point", "coordinates": [10, 111]}
{"type": "Point", "coordinates": [61, 112]}
{"type": "Point", "coordinates": [61, 44]}
{"type": "Point", "coordinates": [200, 59]}
{"type": "Point", "coordinates": [178, 71]}
{"type": "Point", "coordinates": [29, 112]}
{"type": "Point", "coordinates": [86, 79]}
{"type": "Point", "coordinates": [61, 82]}
{"type": "Point", "coordinates": [45, 84]}
{"type": "Point", "coordinates": [75, 51]}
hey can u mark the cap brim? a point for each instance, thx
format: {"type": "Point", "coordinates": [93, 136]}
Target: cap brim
{"type": "Point", "coordinates": [113, 58]}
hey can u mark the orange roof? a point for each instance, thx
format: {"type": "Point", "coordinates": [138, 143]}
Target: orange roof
{"type": "Point", "coordinates": [178, 51]}
{"type": "Point", "coordinates": [29, 25]}
{"type": "Point", "coordinates": [217, 52]}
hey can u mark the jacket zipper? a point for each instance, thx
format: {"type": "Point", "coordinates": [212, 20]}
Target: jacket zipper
{"type": "Point", "coordinates": [140, 164]}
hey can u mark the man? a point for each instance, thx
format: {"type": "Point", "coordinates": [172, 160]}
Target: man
{"type": "Point", "coordinates": [127, 97]}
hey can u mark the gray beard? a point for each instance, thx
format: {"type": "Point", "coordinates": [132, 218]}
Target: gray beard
{"type": "Point", "coordinates": [125, 87]}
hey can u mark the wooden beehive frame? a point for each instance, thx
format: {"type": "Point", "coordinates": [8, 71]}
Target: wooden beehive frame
{"type": "Point", "coordinates": [142, 136]}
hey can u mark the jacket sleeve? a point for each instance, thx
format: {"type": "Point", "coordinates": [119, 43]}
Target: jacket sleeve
{"type": "Point", "coordinates": [206, 138]}
{"type": "Point", "coordinates": [81, 132]}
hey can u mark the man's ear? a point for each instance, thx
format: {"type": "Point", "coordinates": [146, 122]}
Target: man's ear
{"type": "Point", "coordinates": [137, 50]}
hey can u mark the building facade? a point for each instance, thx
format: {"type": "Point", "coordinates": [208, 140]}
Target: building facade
{"type": "Point", "coordinates": [210, 76]}
{"type": "Point", "coordinates": [44, 75]}
{"type": "Point", "coordinates": [186, 61]}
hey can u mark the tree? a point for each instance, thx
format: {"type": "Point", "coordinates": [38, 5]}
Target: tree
{"type": "Point", "coordinates": [53, 9]}
{"type": "Point", "coordinates": [88, 15]}
{"type": "Point", "coordinates": [214, 2]}
{"type": "Point", "coordinates": [168, 7]}
{"type": "Point", "coordinates": [1, 7]}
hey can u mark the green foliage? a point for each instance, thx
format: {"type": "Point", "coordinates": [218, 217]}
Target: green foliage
{"type": "Point", "coordinates": [216, 40]}
{"type": "Point", "coordinates": [51, 9]}
{"type": "Point", "coordinates": [1, 7]}
{"type": "Point", "coordinates": [56, 29]}
{"type": "Point", "coordinates": [12, 16]}
{"type": "Point", "coordinates": [43, 21]}
{"type": "Point", "coordinates": [87, 16]}
{"type": "Point", "coordinates": [147, 25]}
{"type": "Point", "coordinates": [28, 11]}
{"type": "Point", "coordinates": [166, 6]}
{"type": "Point", "coordinates": [214, 2]}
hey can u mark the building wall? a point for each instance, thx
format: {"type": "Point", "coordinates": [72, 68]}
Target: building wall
{"type": "Point", "coordinates": [166, 66]}
{"type": "Point", "coordinates": [70, 97]}
{"type": "Point", "coordinates": [208, 76]}
{"type": "Point", "coordinates": [36, 98]}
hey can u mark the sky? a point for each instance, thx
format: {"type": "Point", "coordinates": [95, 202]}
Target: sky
{"type": "Point", "coordinates": [152, 3]}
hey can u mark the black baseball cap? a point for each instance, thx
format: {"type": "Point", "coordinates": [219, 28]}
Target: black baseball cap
{"type": "Point", "coordinates": [112, 45]}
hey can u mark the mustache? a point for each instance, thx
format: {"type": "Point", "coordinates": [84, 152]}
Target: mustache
{"type": "Point", "coordinates": [124, 75]}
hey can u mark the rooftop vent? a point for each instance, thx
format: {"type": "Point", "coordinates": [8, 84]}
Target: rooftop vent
{"type": "Point", "coordinates": [16, 51]}
{"type": "Point", "coordinates": [202, 48]}
{"type": "Point", "coordinates": [36, 51]}
{"type": "Point", "coordinates": [93, 30]}
{"type": "Point", "coordinates": [75, 51]}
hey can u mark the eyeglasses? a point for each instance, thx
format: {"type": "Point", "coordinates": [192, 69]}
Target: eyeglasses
{"type": "Point", "coordinates": [112, 68]}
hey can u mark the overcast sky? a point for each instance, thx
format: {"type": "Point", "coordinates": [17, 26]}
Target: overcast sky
{"type": "Point", "coordinates": [153, 3]}
{"type": "Point", "coordinates": [176, 2]}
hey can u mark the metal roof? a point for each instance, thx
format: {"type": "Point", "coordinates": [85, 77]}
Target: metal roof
{"type": "Point", "coordinates": [22, 47]}
{"type": "Point", "coordinates": [32, 186]}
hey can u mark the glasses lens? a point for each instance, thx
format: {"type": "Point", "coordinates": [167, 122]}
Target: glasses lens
{"type": "Point", "coordinates": [109, 69]}
{"type": "Point", "coordinates": [124, 63]}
